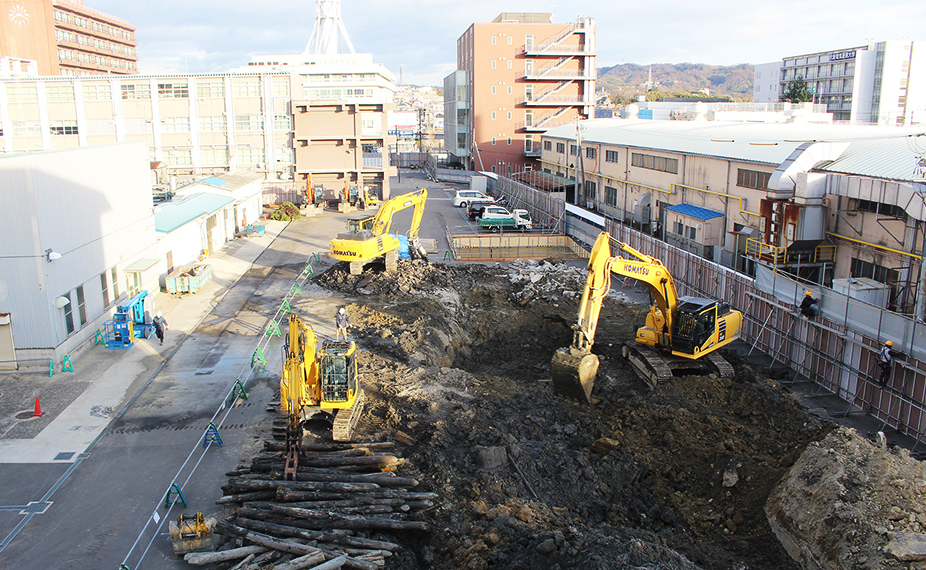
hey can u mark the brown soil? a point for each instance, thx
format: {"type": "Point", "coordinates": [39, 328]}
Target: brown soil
{"type": "Point", "coordinates": [456, 363]}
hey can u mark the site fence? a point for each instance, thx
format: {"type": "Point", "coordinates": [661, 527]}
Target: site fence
{"type": "Point", "coordinates": [279, 192]}
{"type": "Point", "coordinates": [842, 362]}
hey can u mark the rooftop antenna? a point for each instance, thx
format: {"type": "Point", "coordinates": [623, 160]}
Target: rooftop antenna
{"type": "Point", "coordinates": [328, 32]}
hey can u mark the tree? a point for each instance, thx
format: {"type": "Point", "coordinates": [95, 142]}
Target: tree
{"type": "Point", "coordinates": [796, 91]}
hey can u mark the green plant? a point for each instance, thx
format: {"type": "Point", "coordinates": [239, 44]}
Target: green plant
{"type": "Point", "coordinates": [286, 212]}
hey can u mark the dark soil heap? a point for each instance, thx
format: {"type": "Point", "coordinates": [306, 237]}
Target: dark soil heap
{"type": "Point", "coordinates": [456, 362]}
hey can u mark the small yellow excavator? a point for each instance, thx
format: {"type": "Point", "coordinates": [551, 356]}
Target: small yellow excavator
{"type": "Point", "coordinates": [368, 239]}
{"type": "Point", "coordinates": [680, 333]}
{"type": "Point", "coordinates": [318, 387]}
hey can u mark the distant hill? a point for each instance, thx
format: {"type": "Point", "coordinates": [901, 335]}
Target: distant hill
{"type": "Point", "coordinates": [669, 79]}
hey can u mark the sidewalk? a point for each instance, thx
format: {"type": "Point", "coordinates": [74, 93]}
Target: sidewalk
{"type": "Point", "coordinates": [79, 405]}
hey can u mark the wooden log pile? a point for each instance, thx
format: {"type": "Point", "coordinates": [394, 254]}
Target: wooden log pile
{"type": "Point", "coordinates": [341, 493]}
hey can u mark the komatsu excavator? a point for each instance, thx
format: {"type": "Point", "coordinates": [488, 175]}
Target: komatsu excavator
{"type": "Point", "coordinates": [368, 239]}
{"type": "Point", "coordinates": [323, 386]}
{"type": "Point", "coordinates": [680, 333]}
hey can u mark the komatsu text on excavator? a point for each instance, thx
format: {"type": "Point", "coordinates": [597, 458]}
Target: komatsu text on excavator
{"type": "Point", "coordinates": [317, 387]}
{"type": "Point", "coordinates": [680, 333]}
{"type": "Point", "coordinates": [368, 239]}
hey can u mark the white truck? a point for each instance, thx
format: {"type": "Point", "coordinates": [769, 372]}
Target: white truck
{"type": "Point", "coordinates": [494, 218]}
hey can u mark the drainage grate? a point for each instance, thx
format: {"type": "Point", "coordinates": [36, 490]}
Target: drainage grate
{"type": "Point", "coordinates": [64, 456]}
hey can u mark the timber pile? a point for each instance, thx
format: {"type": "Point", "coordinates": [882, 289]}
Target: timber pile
{"type": "Point", "coordinates": [321, 520]}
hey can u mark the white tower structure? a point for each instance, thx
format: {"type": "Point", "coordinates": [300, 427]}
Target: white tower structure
{"type": "Point", "coordinates": [328, 31]}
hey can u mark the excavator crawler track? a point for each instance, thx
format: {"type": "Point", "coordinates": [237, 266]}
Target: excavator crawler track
{"type": "Point", "coordinates": [653, 366]}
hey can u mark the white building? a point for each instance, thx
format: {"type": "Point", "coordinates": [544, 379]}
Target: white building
{"type": "Point", "coordinates": [882, 83]}
{"type": "Point", "coordinates": [77, 237]}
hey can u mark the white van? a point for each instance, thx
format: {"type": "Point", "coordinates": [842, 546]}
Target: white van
{"type": "Point", "coordinates": [464, 198]}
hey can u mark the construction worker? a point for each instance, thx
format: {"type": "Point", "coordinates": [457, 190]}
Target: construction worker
{"type": "Point", "coordinates": [807, 306]}
{"type": "Point", "coordinates": [342, 323]}
{"type": "Point", "coordinates": [887, 361]}
{"type": "Point", "coordinates": [160, 326]}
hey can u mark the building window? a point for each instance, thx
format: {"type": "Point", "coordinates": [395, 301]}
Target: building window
{"type": "Point", "coordinates": [62, 127]}
{"type": "Point", "coordinates": [528, 118]}
{"type": "Point", "coordinates": [880, 273]}
{"type": "Point", "coordinates": [214, 123]}
{"type": "Point", "coordinates": [493, 90]}
{"type": "Point", "coordinates": [81, 306]}
{"type": "Point", "coordinates": [68, 316]}
{"type": "Point", "coordinates": [249, 122]}
{"type": "Point", "coordinates": [176, 124]}
{"type": "Point", "coordinates": [176, 90]}
{"type": "Point", "coordinates": [590, 152]}
{"type": "Point", "coordinates": [97, 92]}
{"type": "Point", "coordinates": [281, 123]}
{"type": "Point", "coordinates": [177, 157]}
{"type": "Point", "coordinates": [493, 64]}
{"type": "Point", "coordinates": [104, 287]}
{"type": "Point", "coordinates": [249, 155]}
{"type": "Point", "coordinates": [280, 87]}
{"type": "Point", "coordinates": [528, 67]}
{"type": "Point", "coordinates": [493, 115]}
{"type": "Point", "coordinates": [27, 128]}
{"type": "Point", "coordinates": [214, 156]}
{"type": "Point", "coordinates": [651, 162]}
{"type": "Point", "coordinates": [115, 282]}
{"type": "Point", "coordinates": [610, 196]}
{"type": "Point", "coordinates": [26, 93]}
{"type": "Point", "coordinates": [493, 40]}
{"type": "Point", "coordinates": [246, 88]}
{"type": "Point", "coordinates": [509, 64]}
{"type": "Point", "coordinates": [561, 147]}
{"type": "Point", "coordinates": [509, 140]}
{"type": "Point", "coordinates": [509, 115]}
{"type": "Point", "coordinates": [528, 143]}
{"type": "Point", "coordinates": [509, 40]}
{"type": "Point", "coordinates": [212, 89]}
{"type": "Point", "coordinates": [493, 140]}
{"type": "Point", "coordinates": [547, 145]}
{"type": "Point", "coordinates": [752, 178]}
{"type": "Point", "coordinates": [133, 282]}
{"type": "Point", "coordinates": [573, 150]}
{"type": "Point", "coordinates": [529, 93]}
{"type": "Point", "coordinates": [136, 91]}
{"type": "Point", "coordinates": [611, 156]}
{"type": "Point", "coordinates": [591, 190]}
{"type": "Point", "coordinates": [59, 92]}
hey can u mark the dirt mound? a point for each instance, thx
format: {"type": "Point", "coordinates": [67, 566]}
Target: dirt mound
{"type": "Point", "coordinates": [457, 365]}
{"type": "Point", "coordinates": [849, 503]}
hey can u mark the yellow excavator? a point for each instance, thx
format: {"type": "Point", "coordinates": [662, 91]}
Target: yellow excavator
{"type": "Point", "coordinates": [680, 333]}
{"type": "Point", "coordinates": [317, 387]}
{"type": "Point", "coordinates": [368, 239]}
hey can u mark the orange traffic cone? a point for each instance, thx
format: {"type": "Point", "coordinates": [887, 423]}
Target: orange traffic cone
{"type": "Point", "coordinates": [38, 408]}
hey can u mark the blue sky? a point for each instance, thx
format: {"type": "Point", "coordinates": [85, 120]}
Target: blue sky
{"type": "Point", "coordinates": [420, 35]}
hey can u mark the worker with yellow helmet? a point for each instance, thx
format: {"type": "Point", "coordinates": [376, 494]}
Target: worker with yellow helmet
{"type": "Point", "coordinates": [886, 361]}
{"type": "Point", "coordinates": [807, 306]}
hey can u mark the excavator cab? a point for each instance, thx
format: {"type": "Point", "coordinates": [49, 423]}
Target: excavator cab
{"type": "Point", "coordinates": [341, 392]}
{"type": "Point", "coordinates": [357, 224]}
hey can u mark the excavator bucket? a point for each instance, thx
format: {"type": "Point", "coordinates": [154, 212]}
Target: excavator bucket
{"type": "Point", "coordinates": [574, 374]}
{"type": "Point", "coordinates": [192, 534]}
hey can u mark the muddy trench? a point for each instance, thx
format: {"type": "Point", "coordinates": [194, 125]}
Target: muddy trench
{"type": "Point", "coordinates": [456, 360]}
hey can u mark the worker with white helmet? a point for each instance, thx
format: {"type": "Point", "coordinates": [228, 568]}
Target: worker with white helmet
{"type": "Point", "coordinates": [887, 361]}
{"type": "Point", "coordinates": [807, 306]}
{"type": "Point", "coordinates": [341, 324]}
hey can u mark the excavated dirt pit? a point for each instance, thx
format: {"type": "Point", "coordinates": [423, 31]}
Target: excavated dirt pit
{"type": "Point", "coordinates": [456, 363]}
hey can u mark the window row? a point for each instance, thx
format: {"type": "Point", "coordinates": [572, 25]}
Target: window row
{"type": "Point", "coordinates": [752, 178]}
{"type": "Point", "coordinates": [652, 162]}
{"type": "Point", "coordinates": [99, 27]}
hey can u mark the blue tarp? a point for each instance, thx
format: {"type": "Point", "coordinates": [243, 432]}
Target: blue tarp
{"type": "Point", "coordinates": [695, 211]}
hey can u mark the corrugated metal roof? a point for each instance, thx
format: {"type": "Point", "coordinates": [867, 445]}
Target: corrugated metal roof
{"type": "Point", "coordinates": [184, 209]}
{"type": "Point", "coordinates": [695, 211]}
{"type": "Point", "coordinates": [880, 152]}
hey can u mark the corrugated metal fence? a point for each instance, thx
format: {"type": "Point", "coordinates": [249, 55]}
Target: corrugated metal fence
{"type": "Point", "coordinates": [278, 192]}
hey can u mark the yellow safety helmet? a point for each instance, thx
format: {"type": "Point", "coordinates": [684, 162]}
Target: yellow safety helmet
{"type": "Point", "coordinates": [810, 292]}
{"type": "Point", "coordinates": [889, 343]}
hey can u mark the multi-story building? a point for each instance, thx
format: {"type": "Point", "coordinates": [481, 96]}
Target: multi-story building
{"type": "Point", "coordinates": [882, 83]}
{"type": "Point", "coordinates": [518, 76]}
{"type": "Point", "coordinates": [822, 201]}
{"type": "Point", "coordinates": [64, 37]}
{"type": "Point", "coordinates": [202, 124]}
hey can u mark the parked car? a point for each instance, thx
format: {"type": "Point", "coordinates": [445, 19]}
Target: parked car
{"type": "Point", "coordinates": [463, 198]}
{"type": "Point", "coordinates": [476, 208]}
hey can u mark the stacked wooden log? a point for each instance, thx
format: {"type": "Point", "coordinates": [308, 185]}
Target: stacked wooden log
{"type": "Point", "coordinates": [321, 519]}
